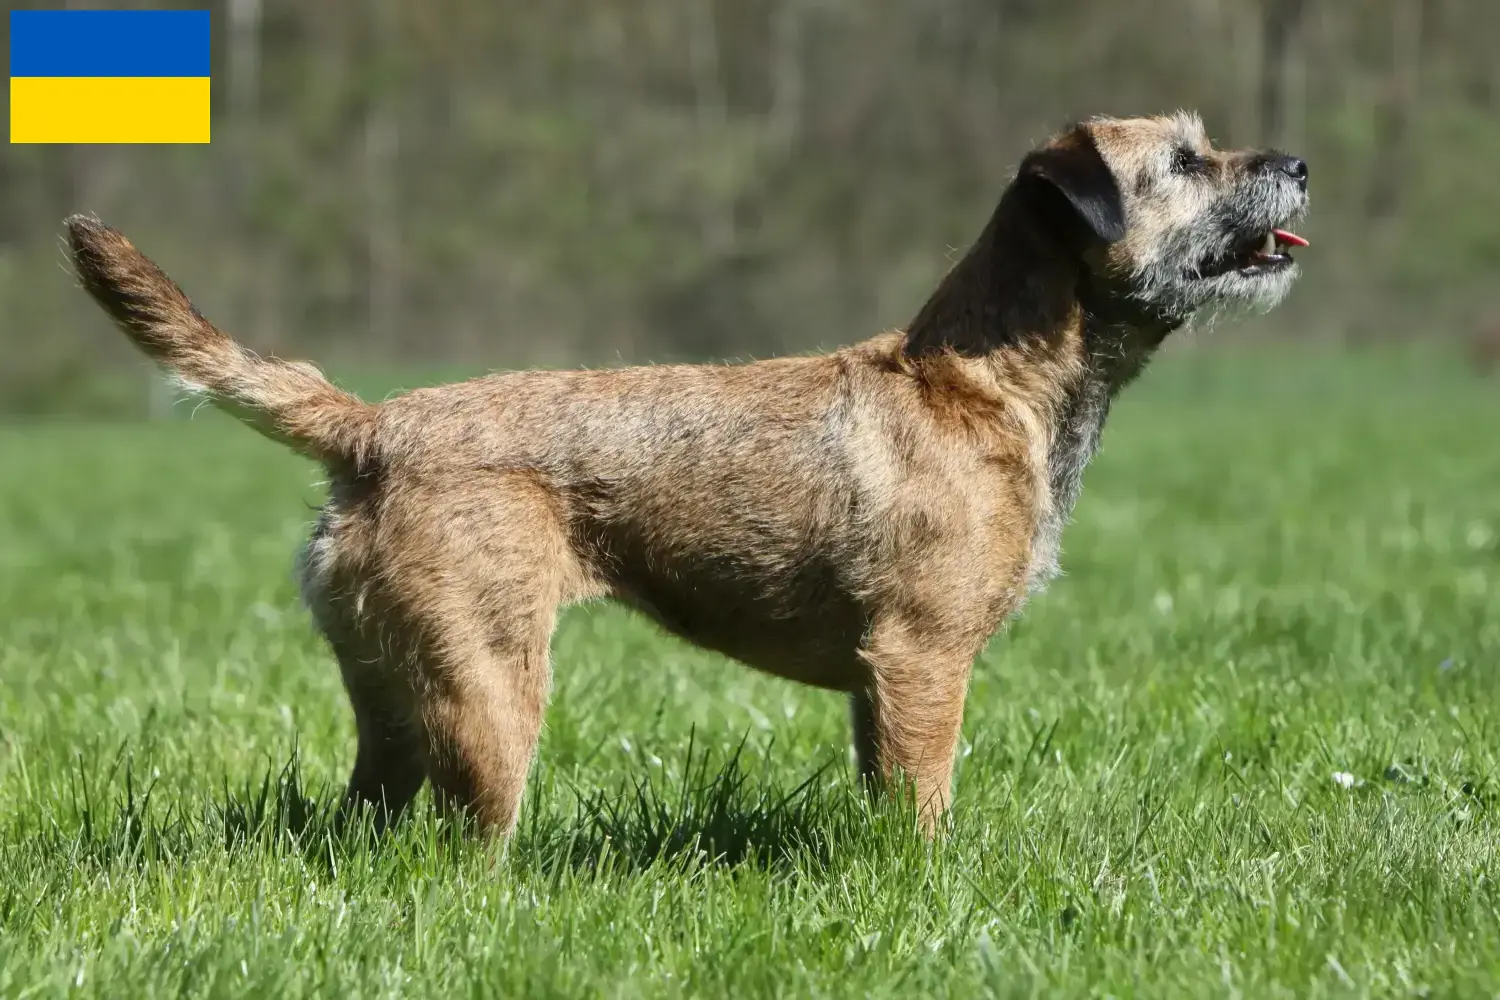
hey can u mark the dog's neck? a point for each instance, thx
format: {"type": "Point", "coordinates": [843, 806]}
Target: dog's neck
{"type": "Point", "coordinates": [1015, 285]}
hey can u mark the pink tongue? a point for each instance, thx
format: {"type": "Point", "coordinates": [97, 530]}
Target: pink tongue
{"type": "Point", "coordinates": [1286, 237]}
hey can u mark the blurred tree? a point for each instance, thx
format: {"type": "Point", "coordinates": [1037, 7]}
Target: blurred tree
{"type": "Point", "coordinates": [589, 181]}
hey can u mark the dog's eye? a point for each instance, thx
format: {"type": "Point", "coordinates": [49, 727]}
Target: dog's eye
{"type": "Point", "coordinates": [1188, 161]}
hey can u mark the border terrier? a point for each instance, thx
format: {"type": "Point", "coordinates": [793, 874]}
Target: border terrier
{"type": "Point", "coordinates": [861, 521]}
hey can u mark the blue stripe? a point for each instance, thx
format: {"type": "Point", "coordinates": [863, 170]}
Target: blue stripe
{"type": "Point", "coordinates": [109, 43]}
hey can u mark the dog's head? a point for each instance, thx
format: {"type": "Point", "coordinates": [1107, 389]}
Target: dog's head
{"type": "Point", "coordinates": [1168, 220]}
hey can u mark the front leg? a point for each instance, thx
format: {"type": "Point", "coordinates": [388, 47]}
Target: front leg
{"type": "Point", "coordinates": [907, 723]}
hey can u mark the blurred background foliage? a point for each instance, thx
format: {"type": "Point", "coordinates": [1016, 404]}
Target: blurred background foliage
{"type": "Point", "coordinates": [489, 183]}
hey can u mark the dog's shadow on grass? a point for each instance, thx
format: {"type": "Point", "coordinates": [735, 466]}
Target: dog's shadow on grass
{"type": "Point", "coordinates": [714, 813]}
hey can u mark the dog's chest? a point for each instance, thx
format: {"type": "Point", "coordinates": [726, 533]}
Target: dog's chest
{"type": "Point", "coordinates": [1114, 354]}
{"type": "Point", "coordinates": [1080, 422]}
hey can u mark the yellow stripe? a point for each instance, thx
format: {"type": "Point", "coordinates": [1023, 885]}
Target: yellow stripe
{"type": "Point", "coordinates": [108, 109]}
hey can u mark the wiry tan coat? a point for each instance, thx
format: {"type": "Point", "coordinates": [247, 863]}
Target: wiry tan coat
{"type": "Point", "coordinates": [862, 521]}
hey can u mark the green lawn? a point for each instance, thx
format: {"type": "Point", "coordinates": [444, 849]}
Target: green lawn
{"type": "Point", "coordinates": [1246, 747]}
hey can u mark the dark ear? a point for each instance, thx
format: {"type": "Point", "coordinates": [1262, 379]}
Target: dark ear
{"type": "Point", "coordinates": [1074, 167]}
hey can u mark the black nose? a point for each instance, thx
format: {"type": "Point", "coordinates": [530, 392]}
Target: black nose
{"type": "Point", "coordinates": [1294, 167]}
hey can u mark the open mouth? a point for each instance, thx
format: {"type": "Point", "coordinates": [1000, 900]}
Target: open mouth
{"type": "Point", "coordinates": [1259, 254]}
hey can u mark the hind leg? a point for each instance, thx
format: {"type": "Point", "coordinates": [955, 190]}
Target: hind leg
{"type": "Point", "coordinates": [470, 581]}
{"type": "Point", "coordinates": [389, 764]}
{"type": "Point", "coordinates": [482, 717]}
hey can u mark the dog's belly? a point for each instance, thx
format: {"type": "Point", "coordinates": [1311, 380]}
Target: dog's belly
{"type": "Point", "coordinates": [796, 630]}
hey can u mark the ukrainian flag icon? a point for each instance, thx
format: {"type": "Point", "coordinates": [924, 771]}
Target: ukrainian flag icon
{"type": "Point", "coordinates": [109, 76]}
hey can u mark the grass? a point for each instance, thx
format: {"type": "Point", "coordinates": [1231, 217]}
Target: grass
{"type": "Point", "coordinates": [1247, 747]}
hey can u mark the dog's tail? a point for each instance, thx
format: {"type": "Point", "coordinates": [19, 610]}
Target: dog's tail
{"type": "Point", "coordinates": [287, 401]}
